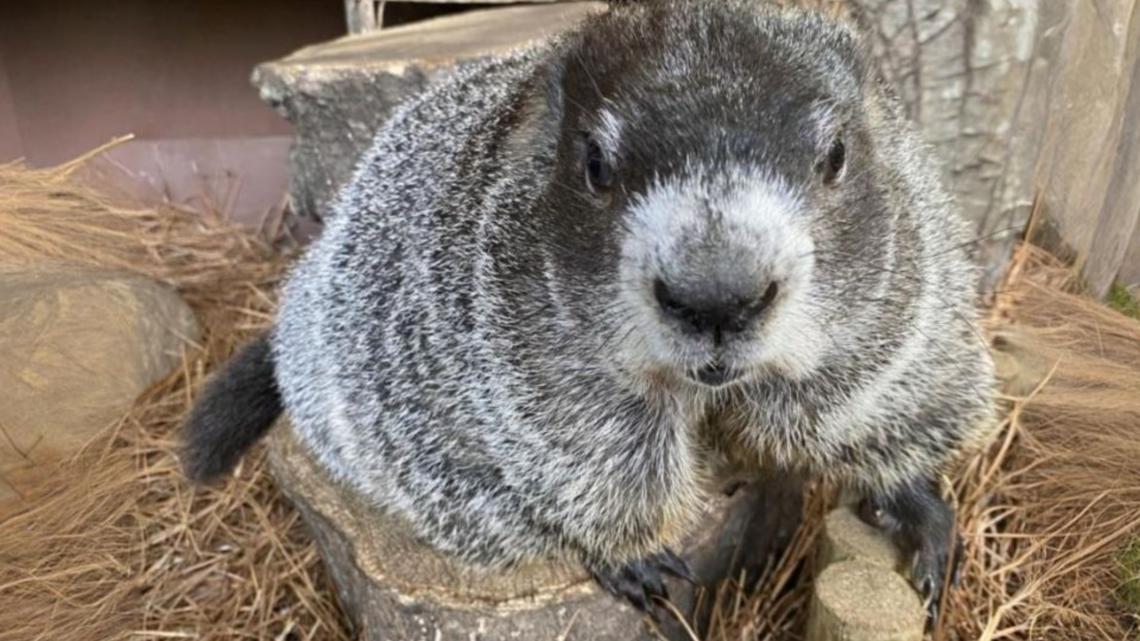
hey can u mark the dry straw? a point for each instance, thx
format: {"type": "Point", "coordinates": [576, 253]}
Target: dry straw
{"type": "Point", "coordinates": [116, 546]}
{"type": "Point", "coordinates": [1054, 506]}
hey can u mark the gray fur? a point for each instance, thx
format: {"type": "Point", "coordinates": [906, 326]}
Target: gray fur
{"type": "Point", "coordinates": [472, 342]}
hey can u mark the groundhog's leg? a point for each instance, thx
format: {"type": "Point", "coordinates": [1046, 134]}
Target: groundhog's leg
{"type": "Point", "coordinates": [641, 581]}
{"type": "Point", "coordinates": [923, 525]}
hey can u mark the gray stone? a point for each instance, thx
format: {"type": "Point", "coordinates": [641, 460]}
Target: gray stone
{"type": "Point", "coordinates": [859, 601]}
{"type": "Point", "coordinates": [77, 347]}
{"type": "Point", "coordinates": [846, 537]}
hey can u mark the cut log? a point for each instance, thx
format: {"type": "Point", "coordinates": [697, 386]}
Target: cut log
{"type": "Point", "coordinates": [393, 587]}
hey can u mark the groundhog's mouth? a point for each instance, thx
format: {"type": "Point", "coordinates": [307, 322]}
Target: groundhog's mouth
{"type": "Point", "coordinates": [715, 375]}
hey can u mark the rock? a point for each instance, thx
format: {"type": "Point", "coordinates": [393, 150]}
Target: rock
{"type": "Point", "coordinates": [77, 346]}
{"type": "Point", "coordinates": [392, 587]}
{"type": "Point", "coordinates": [337, 94]}
{"type": "Point", "coordinates": [858, 601]}
{"type": "Point", "coordinates": [846, 537]}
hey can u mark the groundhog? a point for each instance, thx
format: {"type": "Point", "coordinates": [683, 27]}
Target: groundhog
{"type": "Point", "coordinates": [551, 269]}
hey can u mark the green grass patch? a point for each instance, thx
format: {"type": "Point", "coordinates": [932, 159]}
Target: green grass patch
{"type": "Point", "coordinates": [1122, 301]}
{"type": "Point", "coordinates": [1129, 590]}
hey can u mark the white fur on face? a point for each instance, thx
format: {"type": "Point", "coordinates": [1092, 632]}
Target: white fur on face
{"type": "Point", "coordinates": [745, 213]}
{"type": "Point", "coordinates": [609, 130]}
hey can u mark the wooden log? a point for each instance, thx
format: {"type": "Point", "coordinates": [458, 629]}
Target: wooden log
{"type": "Point", "coordinates": [337, 94]}
{"type": "Point", "coordinates": [392, 587]}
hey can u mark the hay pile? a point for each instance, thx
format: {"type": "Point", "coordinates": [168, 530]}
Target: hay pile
{"type": "Point", "coordinates": [1053, 509]}
{"type": "Point", "coordinates": [118, 547]}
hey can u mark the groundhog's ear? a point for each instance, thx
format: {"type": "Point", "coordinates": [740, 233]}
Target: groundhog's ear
{"type": "Point", "coordinates": [540, 117]}
{"type": "Point", "coordinates": [553, 77]}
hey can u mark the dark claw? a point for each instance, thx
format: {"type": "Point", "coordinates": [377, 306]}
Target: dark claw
{"type": "Point", "coordinates": [929, 576]}
{"type": "Point", "coordinates": [922, 524]}
{"type": "Point", "coordinates": [653, 581]}
{"type": "Point", "coordinates": [956, 567]}
{"type": "Point", "coordinates": [641, 582]}
{"type": "Point", "coordinates": [675, 566]}
{"type": "Point", "coordinates": [732, 488]}
{"type": "Point", "coordinates": [623, 583]}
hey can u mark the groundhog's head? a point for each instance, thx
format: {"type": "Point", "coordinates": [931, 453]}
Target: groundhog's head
{"type": "Point", "coordinates": [716, 199]}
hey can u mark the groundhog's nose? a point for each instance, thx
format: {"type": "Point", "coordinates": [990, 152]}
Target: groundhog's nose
{"type": "Point", "coordinates": [713, 310]}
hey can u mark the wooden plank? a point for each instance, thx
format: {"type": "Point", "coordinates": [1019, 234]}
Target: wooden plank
{"type": "Point", "coordinates": [11, 147]}
{"type": "Point", "coordinates": [1129, 275]}
{"type": "Point", "coordinates": [1117, 226]}
{"type": "Point", "coordinates": [363, 16]}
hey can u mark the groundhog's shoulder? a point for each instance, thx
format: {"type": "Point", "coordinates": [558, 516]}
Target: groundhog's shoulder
{"type": "Point", "coordinates": [415, 156]}
{"type": "Point", "coordinates": [454, 102]}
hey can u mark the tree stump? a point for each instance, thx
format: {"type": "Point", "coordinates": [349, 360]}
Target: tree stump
{"type": "Point", "coordinates": [847, 537]}
{"type": "Point", "coordinates": [392, 587]}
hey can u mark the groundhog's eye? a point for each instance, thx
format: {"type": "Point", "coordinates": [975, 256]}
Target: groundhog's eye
{"type": "Point", "coordinates": [599, 174]}
{"type": "Point", "coordinates": [834, 163]}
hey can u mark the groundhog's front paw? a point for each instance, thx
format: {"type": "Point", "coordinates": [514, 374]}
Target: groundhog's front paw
{"type": "Point", "coordinates": [642, 582]}
{"type": "Point", "coordinates": [931, 563]}
{"type": "Point", "coordinates": [934, 546]}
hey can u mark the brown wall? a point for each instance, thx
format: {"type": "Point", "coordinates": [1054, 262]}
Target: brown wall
{"type": "Point", "coordinates": [75, 74]}
{"type": "Point", "coordinates": [10, 146]}
{"type": "Point", "coordinates": [82, 72]}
